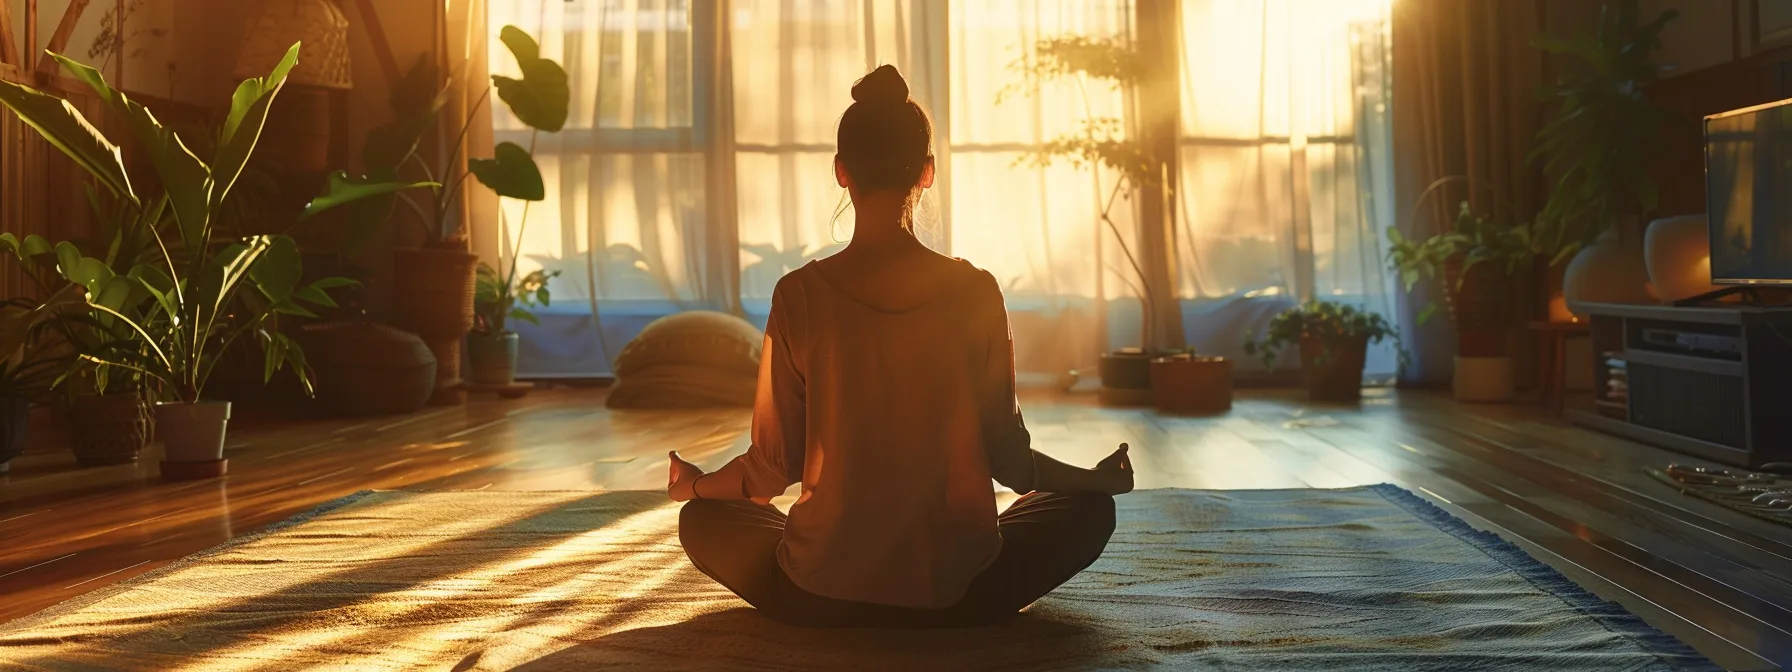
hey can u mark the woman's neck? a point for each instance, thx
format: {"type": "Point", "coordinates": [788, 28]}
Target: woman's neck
{"type": "Point", "coordinates": [878, 221]}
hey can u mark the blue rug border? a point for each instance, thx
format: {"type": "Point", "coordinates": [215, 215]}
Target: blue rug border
{"type": "Point", "coordinates": [1613, 616]}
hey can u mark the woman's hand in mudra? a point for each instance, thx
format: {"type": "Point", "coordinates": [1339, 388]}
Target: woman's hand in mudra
{"type": "Point", "coordinates": [681, 478]}
{"type": "Point", "coordinates": [1115, 472]}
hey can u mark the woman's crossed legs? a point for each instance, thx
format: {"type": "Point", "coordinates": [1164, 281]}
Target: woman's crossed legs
{"type": "Point", "coordinates": [1046, 539]}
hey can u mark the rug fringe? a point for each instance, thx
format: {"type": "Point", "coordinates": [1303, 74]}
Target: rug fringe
{"type": "Point", "coordinates": [1613, 616]}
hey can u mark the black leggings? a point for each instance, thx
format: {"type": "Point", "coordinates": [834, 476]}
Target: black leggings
{"type": "Point", "coordinates": [1046, 539]}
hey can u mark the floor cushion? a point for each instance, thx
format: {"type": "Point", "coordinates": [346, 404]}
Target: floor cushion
{"type": "Point", "coordinates": [695, 359]}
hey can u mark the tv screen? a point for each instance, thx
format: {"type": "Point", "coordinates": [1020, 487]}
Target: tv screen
{"type": "Point", "coordinates": [1748, 192]}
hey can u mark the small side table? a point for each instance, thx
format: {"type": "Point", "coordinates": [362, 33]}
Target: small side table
{"type": "Point", "coordinates": [1553, 356]}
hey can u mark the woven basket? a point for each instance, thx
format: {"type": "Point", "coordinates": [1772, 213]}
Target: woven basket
{"type": "Point", "coordinates": [108, 428]}
{"type": "Point", "coordinates": [1480, 307]}
{"type": "Point", "coordinates": [366, 368]}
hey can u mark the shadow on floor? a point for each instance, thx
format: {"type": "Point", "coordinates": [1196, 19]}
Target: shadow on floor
{"type": "Point", "coordinates": [740, 639]}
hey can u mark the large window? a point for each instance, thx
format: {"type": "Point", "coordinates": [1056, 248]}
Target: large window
{"type": "Point", "coordinates": [697, 169]}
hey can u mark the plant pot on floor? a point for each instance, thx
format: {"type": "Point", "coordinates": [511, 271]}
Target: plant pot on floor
{"type": "Point", "coordinates": [1126, 378]}
{"type": "Point", "coordinates": [492, 360]}
{"type": "Point", "coordinates": [15, 417]}
{"type": "Point", "coordinates": [432, 290]}
{"type": "Point", "coordinates": [1480, 306]}
{"type": "Point", "coordinates": [192, 434]}
{"type": "Point", "coordinates": [108, 429]}
{"type": "Point", "coordinates": [1190, 384]}
{"type": "Point", "coordinates": [1333, 371]}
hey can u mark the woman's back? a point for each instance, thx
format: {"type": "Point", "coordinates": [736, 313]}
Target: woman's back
{"type": "Point", "coordinates": [897, 506]}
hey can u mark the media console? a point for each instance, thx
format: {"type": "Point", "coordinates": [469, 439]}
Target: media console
{"type": "Point", "coordinates": [1711, 382]}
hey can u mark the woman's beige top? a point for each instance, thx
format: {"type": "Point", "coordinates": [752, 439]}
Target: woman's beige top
{"type": "Point", "coordinates": [894, 422]}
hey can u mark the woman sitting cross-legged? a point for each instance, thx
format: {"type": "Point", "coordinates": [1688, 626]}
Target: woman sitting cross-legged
{"type": "Point", "coordinates": [886, 387]}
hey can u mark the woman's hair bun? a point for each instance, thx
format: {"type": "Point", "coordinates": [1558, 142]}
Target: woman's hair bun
{"type": "Point", "coordinates": [883, 85]}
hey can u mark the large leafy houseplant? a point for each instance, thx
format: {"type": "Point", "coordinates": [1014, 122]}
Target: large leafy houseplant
{"type": "Point", "coordinates": [1599, 146]}
{"type": "Point", "coordinates": [191, 299]}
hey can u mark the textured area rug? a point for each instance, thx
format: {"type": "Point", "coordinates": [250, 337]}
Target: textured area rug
{"type": "Point", "coordinates": [1363, 578]}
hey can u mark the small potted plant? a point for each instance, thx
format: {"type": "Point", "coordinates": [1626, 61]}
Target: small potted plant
{"type": "Point", "coordinates": [1333, 339]}
{"type": "Point", "coordinates": [1190, 383]}
{"type": "Point", "coordinates": [499, 298]}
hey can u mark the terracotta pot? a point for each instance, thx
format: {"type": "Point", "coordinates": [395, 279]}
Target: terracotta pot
{"type": "Point", "coordinates": [15, 417]}
{"type": "Point", "coordinates": [493, 360]}
{"type": "Point", "coordinates": [432, 292]}
{"type": "Point", "coordinates": [1333, 372]}
{"type": "Point", "coordinates": [1192, 384]}
{"type": "Point", "coordinates": [109, 428]}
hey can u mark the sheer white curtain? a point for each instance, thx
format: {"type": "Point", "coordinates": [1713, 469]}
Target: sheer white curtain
{"type": "Point", "coordinates": [697, 167]}
{"type": "Point", "coordinates": [1286, 173]}
{"type": "Point", "coordinates": [626, 220]}
{"type": "Point", "coordinates": [1037, 229]}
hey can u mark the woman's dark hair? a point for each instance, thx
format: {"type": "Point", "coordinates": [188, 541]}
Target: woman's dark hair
{"type": "Point", "coordinates": [885, 137]}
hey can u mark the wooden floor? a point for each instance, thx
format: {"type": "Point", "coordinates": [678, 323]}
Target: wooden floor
{"type": "Point", "coordinates": [1572, 498]}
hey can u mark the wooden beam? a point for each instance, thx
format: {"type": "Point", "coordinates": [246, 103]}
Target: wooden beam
{"type": "Point", "coordinates": [30, 35]}
{"type": "Point", "coordinates": [59, 40]}
{"type": "Point", "coordinates": [382, 48]}
{"type": "Point", "coordinates": [9, 46]}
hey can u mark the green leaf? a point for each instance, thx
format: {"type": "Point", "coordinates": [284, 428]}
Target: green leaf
{"type": "Point", "coordinates": [279, 269]}
{"type": "Point", "coordinates": [185, 178]}
{"type": "Point", "coordinates": [511, 172]}
{"type": "Point", "coordinates": [343, 190]}
{"type": "Point", "coordinates": [542, 97]}
{"type": "Point", "coordinates": [524, 315]}
{"type": "Point", "coordinates": [242, 127]}
{"type": "Point", "coordinates": [66, 129]}
{"type": "Point", "coordinates": [1426, 314]}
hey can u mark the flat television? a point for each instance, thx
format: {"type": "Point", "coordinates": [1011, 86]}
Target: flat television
{"type": "Point", "coordinates": [1748, 194]}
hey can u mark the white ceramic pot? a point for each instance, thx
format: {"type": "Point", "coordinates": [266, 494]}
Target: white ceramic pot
{"type": "Point", "coordinates": [1677, 252]}
{"type": "Point", "coordinates": [1483, 379]}
{"type": "Point", "coordinates": [1611, 270]}
{"type": "Point", "coordinates": [192, 431]}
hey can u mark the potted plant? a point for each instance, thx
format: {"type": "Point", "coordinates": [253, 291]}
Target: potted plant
{"type": "Point", "coordinates": [1597, 152]}
{"type": "Point", "coordinates": [1476, 261]}
{"type": "Point", "coordinates": [27, 367]}
{"type": "Point", "coordinates": [436, 283]}
{"type": "Point", "coordinates": [1189, 383]}
{"type": "Point", "coordinates": [500, 297]}
{"type": "Point", "coordinates": [1333, 339]}
{"type": "Point", "coordinates": [1102, 142]}
{"type": "Point", "coordinates": [184, 306]}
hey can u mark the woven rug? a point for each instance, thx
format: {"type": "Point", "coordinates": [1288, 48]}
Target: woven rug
{"type": "Point", "coordinates": [1365, 578]}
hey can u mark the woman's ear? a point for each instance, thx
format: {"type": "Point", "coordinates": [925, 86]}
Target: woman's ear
{"type": "Point", "coordinates": [927, 174]}
{"type": "Point", "coordinates": [840, 173]}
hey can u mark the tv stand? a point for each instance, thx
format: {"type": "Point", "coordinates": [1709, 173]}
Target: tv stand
{"type": "Point", "coordinates": [1707, 381]}
{"type": "Point", "coordinates": [1751, 296]}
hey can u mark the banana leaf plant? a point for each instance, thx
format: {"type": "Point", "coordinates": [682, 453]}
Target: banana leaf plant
{"type": "Point", "coordinates": [199, 292]}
